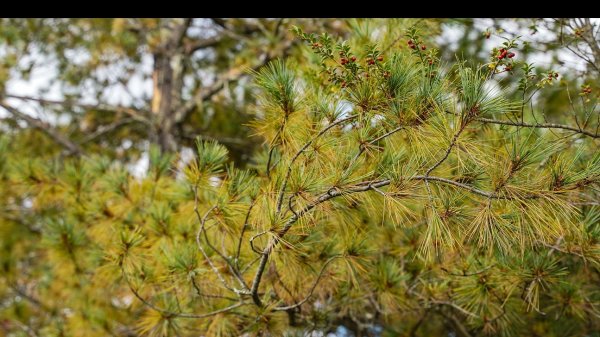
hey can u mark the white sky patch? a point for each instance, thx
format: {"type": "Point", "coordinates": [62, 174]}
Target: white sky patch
{"type": "Point", "coordinates": [139, 169]}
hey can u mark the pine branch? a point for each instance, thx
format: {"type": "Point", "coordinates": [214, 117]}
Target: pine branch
{"type": "Point", "coordinates": [244, 228]}
{"type": "Point", "coordinates": [540, 126]}
{"type": "Point", "coordinates": [202, 220]}
{"type": "Point", "coordinates": [306, 145]}
{"type": "Point", "coordinates": [170, 314]}
{"type": "Point", "coordinates": [333, 193]}
{"type": "Point", "coordinates": [312, 289]}
{"type": "Point", "coordinates": [448, 150]}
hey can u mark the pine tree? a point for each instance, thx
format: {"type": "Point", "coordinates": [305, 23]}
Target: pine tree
{"type": "Point", "coordinates": [394, 194]}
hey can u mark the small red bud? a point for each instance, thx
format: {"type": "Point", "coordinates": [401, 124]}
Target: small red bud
{"type": "Point", "coordinates": [380, 58]}
{"type": "Point", "coordinates": [511, 55]}
{"type": "Point", "coordinates": [353, 58]}
{"type": "Point", "coordinates": [423, 47]}
{"type": "Point", "coordinates": [410, 42]}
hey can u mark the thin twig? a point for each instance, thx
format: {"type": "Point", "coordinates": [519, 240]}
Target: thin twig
{"type": "Point", "coordinates": [306, 145]}
{"type": "Point", "coordinates": [202, 221]}
{"type": "Point", "coordinates": [312, 289]}
{"type": "Point", "coordinates": [540, 126]}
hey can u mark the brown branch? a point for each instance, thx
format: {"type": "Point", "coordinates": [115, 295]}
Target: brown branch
{"type": "Point", "coordinates": [231, 267]}
{"type": "Point", "coordinates": [244, 228]}
{"type": "Point", "coordinates": [312, 289]}
{"type": "Point", "coordinates": [168, 313]}
{"type": "Point", "coordinates": [448, 150]}
{"type": "Point", "coordinates": [336, 192]}
{"type": "Point", "coordinates": [195, 45]}
{"type": "Point", "coordinates": [131, 112]}
{"type": "Point", "coordinates": [199, 292]}
{"type": "Point", "coordinates": [178, 34]}
{"type": "Point", "coordinates": [207, 93]}
{"type": "Point", "coordinates": [202, 220]}
{"type": "Point", "coordinates": [465, 274]}
{"type": "Point", "coordinates": [306, 145]}
{"type": "Point", "coordinates": [539, 126]}
{"type": "Point", "coordinates": [30, 332]}
{"type": "Point", "coordinates": [458, 325]}
{"type": "Point", "coordinates": [460, 185]}
{"type": "Point", "coordinates": [104, 129]}
{"type": "Point", "coordinates": [30, 298]}
{"type": "Point", "coordinates": [453, 305]}
{"type": "Point", "coordinates": [46, 128]}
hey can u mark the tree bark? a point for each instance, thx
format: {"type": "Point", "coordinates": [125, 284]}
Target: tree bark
{"type": "Point", "coordinates": [167, 77]}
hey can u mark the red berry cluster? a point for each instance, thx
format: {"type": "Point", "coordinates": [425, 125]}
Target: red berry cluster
{"type": "Point", "coordinates": [504, 53]}
{"type": "Point", "coordinates": [371, 61]}
{"type": "Point", "coordinates": [412, 45]}
{"type": "Point", "coordinates": [552, 75]}
{"type": "Point", "coordinates": [317, 45]}
{"type": "Point", "coordinates": [587, 90]}
{"type": "Point", "coordinates": [345, 60]}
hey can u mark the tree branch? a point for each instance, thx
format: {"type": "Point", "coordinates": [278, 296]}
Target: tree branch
{"type": "Point", "coordinates": [202, 220]}
{"type": "Point", "coordinates": [168, 313]}
{"type": "Point", "coordinates": [46, 128]}
{"type": "Point", "coordinates": [312, 289]}
{"type": "Point", "coordinates": [136, 114]}
{"type": "Point", "coordinates": [306, 145]}
{"type": "Point", "coordinates": [336, 192]}
{"type": "Point", "coordinates": [104, 129]}
{"type": "Point", "coordinates": [539, 126]}
{"type": "Point", "coordinates": [207, 93]}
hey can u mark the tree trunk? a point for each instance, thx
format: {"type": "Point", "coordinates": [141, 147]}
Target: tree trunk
{"type": "Point", "coordinates": [167, 76]}
{"type": "Point", "coordinates": [162, 100]}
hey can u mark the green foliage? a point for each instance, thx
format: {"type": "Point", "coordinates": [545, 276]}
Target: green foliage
{"type": "Point", "coordinates": [392, 193]}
